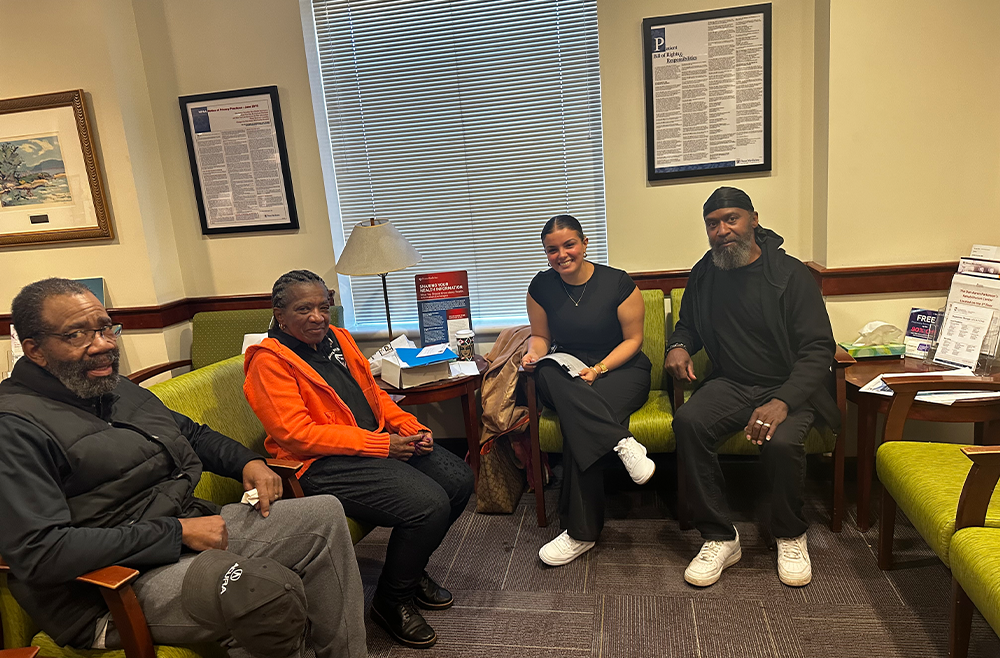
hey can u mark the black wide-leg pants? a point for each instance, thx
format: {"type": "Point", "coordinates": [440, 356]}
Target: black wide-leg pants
{"type": "Point", "coordinates": [594, 418]}
{"type": "Point", "coordinates": [705, 422]}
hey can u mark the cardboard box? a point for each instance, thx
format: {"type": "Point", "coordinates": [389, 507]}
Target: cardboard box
{"type": "Point", "coordinates": [403, 369]}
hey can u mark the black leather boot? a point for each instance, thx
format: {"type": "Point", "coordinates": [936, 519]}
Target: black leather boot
{"type": "Point", "coordinates": [403, 623]}
{"type": "Point", "coordinates": [431, 596]}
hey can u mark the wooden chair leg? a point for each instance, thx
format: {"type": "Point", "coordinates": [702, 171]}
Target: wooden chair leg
{"type": "Point", "coordinates": [961, 622]}
{"type": "Point", "coordinates": [837, 513]}
{"type": "Point", "coordinates": [536, 452]}
{"type": "Point", "coordinates": [886, 529]}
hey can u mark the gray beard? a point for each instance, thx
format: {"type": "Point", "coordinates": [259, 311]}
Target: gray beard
{"type": "Point", "coordinates": [73, 375]}
{"type": "Point", "coordinates": [735, 257]}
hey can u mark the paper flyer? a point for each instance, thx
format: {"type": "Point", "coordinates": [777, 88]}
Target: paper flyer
{"type": "Point", "coordinates": [443, 306]}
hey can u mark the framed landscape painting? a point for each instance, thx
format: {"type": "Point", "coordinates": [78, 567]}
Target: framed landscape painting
{"type": "Point", "coordinates": [50, 182]}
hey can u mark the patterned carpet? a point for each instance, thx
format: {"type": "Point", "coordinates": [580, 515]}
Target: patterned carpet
{"type": "Point", "coordinates": [627, 597]}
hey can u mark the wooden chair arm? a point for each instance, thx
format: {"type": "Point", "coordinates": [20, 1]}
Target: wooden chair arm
{"type": "Point", "coordinates": [152, 371]}
{"type": "Point", "coordinates": [905, 389]}
{"type": "Point", "coordinates": [979, 485]}
{"type": "Point", "coordinates": [286, 470]}
{"type": "Point", "coordinates": [113, 577]}
{"type": "Point", "coordinates": [841, 359]}
{"type": "Point", "coordinates": [25, 652]}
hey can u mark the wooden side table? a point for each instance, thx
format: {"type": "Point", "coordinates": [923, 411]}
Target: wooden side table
{"type": "Point", "coordinates": [448, 389]}
{"type": "Point", "coordinates": [26, 652]}
{"type": "Point", "coordinates": [985, 415]}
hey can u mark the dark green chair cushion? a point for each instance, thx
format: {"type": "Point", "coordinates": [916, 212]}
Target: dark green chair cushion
{"type": "Point", "coordinates": [975, 564]}
{"type": "Point", "coordinates": [926, 480]}
{"type": "Point", "coordinates": [652, 424]}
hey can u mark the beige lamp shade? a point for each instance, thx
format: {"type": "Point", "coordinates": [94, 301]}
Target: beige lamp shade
{"type": "Point", "coordinates": [376, 249]}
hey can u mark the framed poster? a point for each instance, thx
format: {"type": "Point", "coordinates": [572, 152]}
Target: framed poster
{"type": "Point", "coordinates": [239, 163]}
{"type": "Point", "coordinates": [708, 92]}
{"type": "Point", "coordinates": [50, 182]}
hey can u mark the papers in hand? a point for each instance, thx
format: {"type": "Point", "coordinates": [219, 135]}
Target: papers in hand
{"type": "Point", "coordinates": [569, 363]}
{"type": "Point", "coordinates": [879, 387]}
{"type": "Point", "coordinates": [250, 497]}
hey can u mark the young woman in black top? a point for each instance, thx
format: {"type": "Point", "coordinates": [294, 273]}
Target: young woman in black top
{"type": "Point", "coordinates": [594, 313]}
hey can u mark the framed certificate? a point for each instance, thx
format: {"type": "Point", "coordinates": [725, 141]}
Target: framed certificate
{"type": "Point", "coordinates": [239, 163]}
{"type": "Point", "coordinates": [51, 188]}
{"type": "Point", "coordinates": [708, 92]}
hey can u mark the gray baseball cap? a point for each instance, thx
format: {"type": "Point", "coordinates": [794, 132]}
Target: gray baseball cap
{"type": "Point", "coordinates": [257, 601]}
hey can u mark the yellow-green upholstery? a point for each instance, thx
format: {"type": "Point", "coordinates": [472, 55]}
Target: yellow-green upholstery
{"type": "Point", "coordinates": [819, 439]}
{"type": "Point", "coordinates": [652, 424]}
{"type": "Point", "coordinates": [212, 395]}
{"type": "Point", "coordinates": [975, 564]}
{"type": "Point", "coordinates": [926, 480]}
{"type": "Point", "coordinates": [218, 335]}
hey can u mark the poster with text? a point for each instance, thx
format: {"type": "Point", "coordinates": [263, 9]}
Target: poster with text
{"type": "Point", "coordinates": [443, 306]}
{"type": "Point", "coordinates": [708, 88]}
{"type": "Point", "coordinates": [236, 144]}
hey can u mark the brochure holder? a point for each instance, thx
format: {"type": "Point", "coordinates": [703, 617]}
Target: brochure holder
{"type": "Point", "coordinates": [968, 332]}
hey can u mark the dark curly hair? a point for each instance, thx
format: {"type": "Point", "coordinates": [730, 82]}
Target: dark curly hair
{"type": "Point", "coordinates": [562, 221]}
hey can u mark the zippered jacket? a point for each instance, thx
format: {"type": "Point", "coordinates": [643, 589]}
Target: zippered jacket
{"type": "Point", "coordinates": [304, 417]}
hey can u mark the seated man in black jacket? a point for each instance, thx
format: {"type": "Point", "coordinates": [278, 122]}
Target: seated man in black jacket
{"type": "Point", "coordinates": [97, 472]}
{"type": "Point", "coordinates": [760, 317]}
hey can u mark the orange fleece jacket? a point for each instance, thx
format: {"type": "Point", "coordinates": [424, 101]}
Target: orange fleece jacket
{"type": "Point", "coordinates": [304, 417]}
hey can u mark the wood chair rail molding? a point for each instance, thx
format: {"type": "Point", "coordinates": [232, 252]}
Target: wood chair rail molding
{"type": "Point", "coordinates": [866, 280]}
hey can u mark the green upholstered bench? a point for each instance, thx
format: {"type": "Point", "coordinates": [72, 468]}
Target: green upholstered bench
{"type": "Point", "coordinates": [819, 440]}
{"type": "Point", "coordinates": [951, 501]}
{"type": "Point", "coordinates": [651, 425]}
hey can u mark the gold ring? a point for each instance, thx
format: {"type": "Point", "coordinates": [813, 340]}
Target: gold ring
{"type": "Point", "coordinates": [760, 422]}
{"type": "Point", "coordinates": [766, 424]}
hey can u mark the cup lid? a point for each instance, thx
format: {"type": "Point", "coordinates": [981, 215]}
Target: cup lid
{"type": "Point", "coordinates": [465, 333]}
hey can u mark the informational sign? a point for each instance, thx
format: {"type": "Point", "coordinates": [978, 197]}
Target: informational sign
{"type": "Point", "coordinates": [443, 306]}
{"type": "Point", "coordinates": [236, 144]}
{"type": "Point", "coordinates": [708, 92]}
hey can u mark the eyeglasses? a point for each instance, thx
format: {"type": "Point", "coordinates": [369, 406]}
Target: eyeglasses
{"type": "Point", "coordinates": [84, 337]}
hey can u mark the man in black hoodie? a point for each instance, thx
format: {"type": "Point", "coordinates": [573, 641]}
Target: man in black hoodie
{"type": "Point", "coordinates": [760, 317]}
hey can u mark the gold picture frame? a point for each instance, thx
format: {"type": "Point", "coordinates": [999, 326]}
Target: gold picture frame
{"type": "Point", "coordinates": [51, 189]}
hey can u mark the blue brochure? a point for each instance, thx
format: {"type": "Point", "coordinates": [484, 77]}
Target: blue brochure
{"type": "Point", "coordinates": [408, 356]}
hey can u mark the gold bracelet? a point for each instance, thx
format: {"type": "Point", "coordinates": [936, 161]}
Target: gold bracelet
{"type": "Point", "coordinates": [600, 368]}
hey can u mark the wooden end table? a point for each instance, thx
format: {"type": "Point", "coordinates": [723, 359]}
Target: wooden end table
{"type": "Point", "coordinates": [985, 415]}
{"type": "Point", "coordinates": [26, 652]}
{"type": "Point", "coordinates": [448, 389]}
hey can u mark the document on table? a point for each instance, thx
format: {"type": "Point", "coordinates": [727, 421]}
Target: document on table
{"type": "Point", "coordinates": [464, 368]}
{"type": "Point", "coordinates": [961, 337]}
{"type": "Point", "coordinates": [431, 350]}
{"type": "Point", "coordinates": [879, 387]}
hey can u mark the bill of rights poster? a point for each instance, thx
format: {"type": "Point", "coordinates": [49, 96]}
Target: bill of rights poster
{"type": "Point", "coordinates": [708, 88]}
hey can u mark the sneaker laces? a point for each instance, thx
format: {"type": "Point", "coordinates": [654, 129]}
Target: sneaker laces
{"type": "Point", "coordinates": [565, 542]}
{"type": "Point", "coordinates": [628, 454]}
{"type": "Point", "coordinates": [710, 551]}
{"type": "Point", "coordinates": [790, 550]}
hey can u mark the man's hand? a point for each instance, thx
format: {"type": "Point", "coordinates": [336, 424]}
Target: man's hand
{"type": "Point", "coordinates": [402, 447]}
{"type": "Point", "coordinates": [257, 475]}
{"type": "Point", "coordinates": [679, 365]}
{"type": "Point", "coordinates": [425, 445]}
{"type": "Point", "coordinates": [528, 361]}
{"type": "Point", "coordinates": [765, 421]}
{"type": "Point", "coordinates": [204, 532]}
{"type": "Point", "coordinates": [588, 375]}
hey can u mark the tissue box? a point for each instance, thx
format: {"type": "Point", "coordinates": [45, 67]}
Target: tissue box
{"type": "Point", "coordinates": [404, 369]}
{"type": "Point", "coordinates": [874, 351]}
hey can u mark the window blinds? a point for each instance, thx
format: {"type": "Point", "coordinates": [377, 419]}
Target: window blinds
{"type": "Point", "coordinates": [466, 124]}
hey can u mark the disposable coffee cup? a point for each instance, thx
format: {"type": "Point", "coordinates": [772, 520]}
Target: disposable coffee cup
{"type": "Point", "coordinates": [466, 341]}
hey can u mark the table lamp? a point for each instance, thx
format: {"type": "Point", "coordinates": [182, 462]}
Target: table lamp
{"type": "Point", "coordinates": [377, 247]}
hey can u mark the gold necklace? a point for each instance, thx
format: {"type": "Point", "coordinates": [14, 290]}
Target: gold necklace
{"type": "Point", "coordinates": [576, 302]}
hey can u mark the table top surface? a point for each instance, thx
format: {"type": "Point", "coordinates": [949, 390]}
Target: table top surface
{"type": "Point", "coordinates": [481, 363]}
{"type": "Point", "coordinates": [866, 370]}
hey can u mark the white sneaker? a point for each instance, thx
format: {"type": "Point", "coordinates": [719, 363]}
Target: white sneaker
{"type": "Point", "coordinates": [794, 565]}
{"type": "Point", "coordinates": [563, 550]}
{"type": "Point", "coordinates": [633, 455]}
{"type": "Point", "coordinates": [714, 556]}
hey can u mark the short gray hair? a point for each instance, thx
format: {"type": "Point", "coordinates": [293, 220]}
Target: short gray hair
{"type": "Point", "coordinates": [26, 310]}
{"type": "Point", "coordinates": [279, 293]}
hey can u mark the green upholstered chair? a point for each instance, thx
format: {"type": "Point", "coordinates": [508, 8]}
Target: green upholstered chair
{"type": "Point", "coordinates": [212, 395]}
{"type": "Point", "coordinates": [819, 440]}
{"type": "Point", "coordinates": [652, 424]}
{"type": "Point", "coordinates": [952, 502]}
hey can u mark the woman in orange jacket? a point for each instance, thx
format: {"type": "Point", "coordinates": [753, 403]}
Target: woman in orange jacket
{"type": "Point", "coordinates": [314, 393]}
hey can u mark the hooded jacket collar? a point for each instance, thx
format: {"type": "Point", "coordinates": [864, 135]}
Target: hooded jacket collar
{"type": "Point", "coordinates": [775, 271]}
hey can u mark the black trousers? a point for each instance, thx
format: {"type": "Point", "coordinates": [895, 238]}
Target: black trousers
{"type": "Point", "coordinates": [419, 499]}
{"type": "Point", "coordinates": [705, 422]}
{"type": "Point", "coordinates": [594, 418]}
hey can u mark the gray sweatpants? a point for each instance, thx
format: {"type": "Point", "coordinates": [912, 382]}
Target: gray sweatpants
{"type": "Point", "coordinates": [307, 535]}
